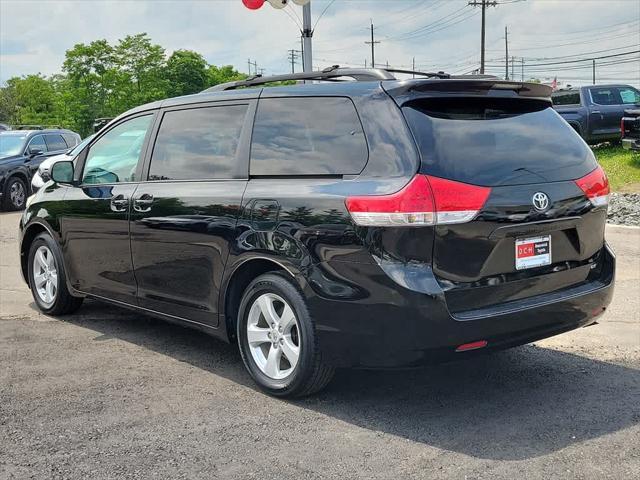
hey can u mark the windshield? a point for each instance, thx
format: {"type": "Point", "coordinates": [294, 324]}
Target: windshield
{"type": "Point", "coordinates": [11, 144]}
{"type": "Point", "coordinates": [78, 148]}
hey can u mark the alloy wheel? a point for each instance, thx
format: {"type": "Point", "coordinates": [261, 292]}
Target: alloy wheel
{"type": "Point", "coordinates": [273, 336]}
{"type": "Point", "coordinates": [17, 194]}
{"type": "Point", "coordinates": [45, 275]}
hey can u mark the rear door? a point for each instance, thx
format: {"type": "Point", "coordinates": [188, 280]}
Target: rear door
{"type": "Point", "coordinates": [537, 231]}
{"type": "Point", "coordinates": [605, 112]}
{"type": "Point", "coordinates": [184, 215]}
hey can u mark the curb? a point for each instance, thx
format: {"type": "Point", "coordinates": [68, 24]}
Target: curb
{"type": "Point", "coordinates": [615, 226]}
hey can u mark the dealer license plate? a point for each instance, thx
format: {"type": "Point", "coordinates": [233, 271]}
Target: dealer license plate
{"type": "Point", "coordinates": [533, 252]}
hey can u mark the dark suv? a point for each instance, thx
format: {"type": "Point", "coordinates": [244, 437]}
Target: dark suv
{"type": "Point", "coordinates": [21, 153]}
{"type": "Point", "coordinates": [374, 223]}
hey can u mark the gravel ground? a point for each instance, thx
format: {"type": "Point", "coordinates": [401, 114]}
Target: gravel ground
{"type": "Point", "coordinates": [112, 394]}
{"type": "Point", "coordinates": [624, 209]}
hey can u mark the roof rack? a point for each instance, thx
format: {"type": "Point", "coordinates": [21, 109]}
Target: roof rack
{"type": "Point", "coordinates": [329, 74]}
{"type": "Point", "coordinates": [36, 127]}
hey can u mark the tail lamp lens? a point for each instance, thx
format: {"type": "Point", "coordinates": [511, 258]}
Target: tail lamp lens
{"type": "Point", "coordinates": [595, 186]}
{"type": "Point", "coordinates": [425, 200]}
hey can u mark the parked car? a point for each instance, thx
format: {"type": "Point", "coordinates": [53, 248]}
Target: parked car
{"type": "Point", "coordinates": [595, 111]}
{"type": "Point", "coordinates": [375, 223]}
{"type": "Point", "coordinates": [42, 175]}
{"type": "Point", "coordinates": [21, 153]}
{"type": "Point", "coordinates": [630, 129]}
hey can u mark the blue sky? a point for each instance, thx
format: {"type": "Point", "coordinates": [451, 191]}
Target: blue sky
{"type": "Point", "coordinates": [440, 34]}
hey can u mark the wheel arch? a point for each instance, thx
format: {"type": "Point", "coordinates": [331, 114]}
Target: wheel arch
{"type": "Point", "coordinates": [241, 275]}
{"type": "Point", "coordinates": [30, 233]}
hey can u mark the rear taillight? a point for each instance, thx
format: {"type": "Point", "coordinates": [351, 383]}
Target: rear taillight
{"type": "Point", "coordinates": [622, 127]}
{"type": "Point", "coordinates": [595, 186]}
{"type": "Point", "coordinates": [423, 201]}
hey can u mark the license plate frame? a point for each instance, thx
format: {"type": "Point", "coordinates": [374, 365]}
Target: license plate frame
{"type": "Point", "coordinates": [532, 252]}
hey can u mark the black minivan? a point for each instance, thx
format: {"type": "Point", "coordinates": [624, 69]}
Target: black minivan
{"type": "Point", "coordinates": [373, 222]}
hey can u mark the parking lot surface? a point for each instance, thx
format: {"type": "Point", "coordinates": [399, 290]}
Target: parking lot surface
{"type": "Point", "coordinates": [110, 393]}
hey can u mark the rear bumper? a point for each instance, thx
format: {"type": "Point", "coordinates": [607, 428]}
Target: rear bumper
{"type": "Point", "coordinates": [631, 143]}
{"type": "Point", "coordinates": [384, 325]}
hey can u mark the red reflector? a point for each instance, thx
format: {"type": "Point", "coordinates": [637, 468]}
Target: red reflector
{"type": "Point", "coordinates": [595, 186]}
{"type": "Point", "coordinates": [424, 200]}
{"type": "Point", "coordinates": [471, 346]}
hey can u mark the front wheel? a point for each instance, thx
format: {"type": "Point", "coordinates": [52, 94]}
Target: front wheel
{"type": "Point", "coordinates": [47, 278]}
{"type": "Point", "coordinates": [277, 339]}
{"type": "Point", "coordinates": [15, 194]}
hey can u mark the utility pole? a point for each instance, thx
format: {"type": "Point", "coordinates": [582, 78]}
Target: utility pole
{"type": "Point", "coordinates": [483, 4]}
{"type": "Point", "coordinates": [522, 69]}
{"type": "Point", "coordinates": [414, 66]}
{"type": "Point", "coordinates": [255, 66]}
{"type": "Point", "coordinates": [594, 71]}
{"type": "Point", "coordinates": [307, 34]}
{"type": "Point", "coordinates": [506, 53]}
{"type": "Point", "coordinates": [373, 47]}
{"type": "Point", "coordinates": [513, 75]}
{"type": "Point", "coordinates": [293, 56]}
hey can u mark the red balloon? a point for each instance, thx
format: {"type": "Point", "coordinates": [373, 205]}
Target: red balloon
{"type": "Point", "coordinates": [253, 4]}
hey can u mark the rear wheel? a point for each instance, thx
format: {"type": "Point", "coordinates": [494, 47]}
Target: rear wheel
{"type": "Point", "coordinates": [277, 339]}
{"type": "Point", "coordinates": [15, 194]}
{"type": "Point", "coordinates": [47, 278]}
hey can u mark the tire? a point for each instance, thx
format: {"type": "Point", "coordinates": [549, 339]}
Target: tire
{"type": "Point", "coordinates": [15, 194]}
{"type": "Point", "coordinates": [305, 374]}
{"type": "Point", "coordinates": [45, 261]}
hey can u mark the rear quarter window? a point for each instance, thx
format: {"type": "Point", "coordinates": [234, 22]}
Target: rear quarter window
{"type": "Point", "coordinates": [307, 136]}
{"type": "Point", "coordinates": [493, 142]}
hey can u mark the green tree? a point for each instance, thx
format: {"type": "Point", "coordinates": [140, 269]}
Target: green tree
{"type": "Point", "coordinates": [186, 73]}
{"type": "Point", "coordinates": [142, 63]}
{"type": "Point", "coordinates": [226, 73]}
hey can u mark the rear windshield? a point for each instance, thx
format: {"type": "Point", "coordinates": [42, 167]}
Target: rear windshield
{"type": "Point", "coordinates": [498, 141]}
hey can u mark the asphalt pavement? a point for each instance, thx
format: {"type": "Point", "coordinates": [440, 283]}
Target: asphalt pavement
{"type": "Point", "coordinates": [112, 394]}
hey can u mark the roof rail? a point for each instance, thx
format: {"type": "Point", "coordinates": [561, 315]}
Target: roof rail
{"type": "Point", "coordinates": [36, 127]}
{"type": "Point", "coordinates": [327, 74]}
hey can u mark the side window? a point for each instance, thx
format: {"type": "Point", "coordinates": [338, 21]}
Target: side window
{"type": "Point", "coordinates": [198, 143]}
{"type": "Point", "coordinates": [114, 157]}
{"type": "Point", "coordinates": [37, 143]}
{"type": "Point", "coordinates": [307, 136]}
{"type": "Point", "coordinates": [55, 143]}
{"type": "Point", "coordinates": [629, 95]}
{"type": "Point", "coordinates": [605, 96]}
{"type": "Point", "coordinates": [566, 98]}
{"type": "Point", "coordinates": [70, 139]}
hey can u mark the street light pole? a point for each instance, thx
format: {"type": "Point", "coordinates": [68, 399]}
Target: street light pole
{"type": "Point", "coordinates": [307, 34]}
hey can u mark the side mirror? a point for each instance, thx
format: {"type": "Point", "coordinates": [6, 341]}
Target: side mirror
{"type": "Point", "coordinates": [34, 152]}
{"type": "Point", "coordinates": [62, 172]}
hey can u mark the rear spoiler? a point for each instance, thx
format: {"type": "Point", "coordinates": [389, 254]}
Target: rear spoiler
{"type": "Point", "coordinates": [404, 90]}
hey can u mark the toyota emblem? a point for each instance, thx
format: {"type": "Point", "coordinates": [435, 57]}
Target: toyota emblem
{"type": "Point", "coordinates": [540, 201]}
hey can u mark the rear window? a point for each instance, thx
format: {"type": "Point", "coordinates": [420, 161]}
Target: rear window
{"type": "Point", "coordinates": [566, 98]}
{"type": "Point", "coordinates": [307, 136]}
{"type": "Point", "coordinates": [495, 142]}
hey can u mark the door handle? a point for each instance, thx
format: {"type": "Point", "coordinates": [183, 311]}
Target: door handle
{"type": "Point", "coordinates": [119, 203]}
{"type": "Point", "coordinates": [595, 112]}
{"type": "Point", "coordinates": [143, 203]}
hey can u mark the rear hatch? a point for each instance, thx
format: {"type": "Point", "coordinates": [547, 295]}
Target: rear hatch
{"type": "Point", "coordinates": [541, 228]}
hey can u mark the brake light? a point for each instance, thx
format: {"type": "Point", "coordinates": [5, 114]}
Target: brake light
{"type": "Point", "coordinates": [622, 127]}
{"type": "Point", "coordinates": [595, 186]}
{"type": "Point", "coordinates": [423, 201]}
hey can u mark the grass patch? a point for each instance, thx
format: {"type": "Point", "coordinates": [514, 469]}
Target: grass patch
{"type": "Point", "coordinates": [622, 167]}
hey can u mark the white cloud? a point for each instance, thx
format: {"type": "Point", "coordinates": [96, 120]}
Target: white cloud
{"type": "Point", "coordinates": [34, 34]}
